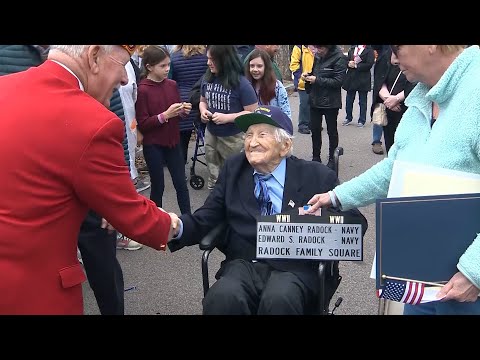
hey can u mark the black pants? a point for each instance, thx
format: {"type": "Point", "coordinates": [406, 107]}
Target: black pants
{"type": "Point", "coordinates": [247, 288]}
{"type": "Point", "coordinates": [316, 116]}
{"type": "Point", "coordinates": [389, 130]}
{"type": "Point", "coordinates": [185, 137]}
{"type": "Point", "coordinates": [104, 273]}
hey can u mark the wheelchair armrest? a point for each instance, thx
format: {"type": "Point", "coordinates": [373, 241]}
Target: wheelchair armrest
{"type": "Point", "coordinates": [213, 238]}
{"type": "Point", "coordinates": [336, 158]}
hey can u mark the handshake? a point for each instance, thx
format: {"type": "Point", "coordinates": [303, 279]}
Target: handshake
{"type": "Point", "coordinates": [175, 225]}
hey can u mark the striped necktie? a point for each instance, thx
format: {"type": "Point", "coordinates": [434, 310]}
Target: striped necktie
{"type": "Point", "coordinates": [261, 193]}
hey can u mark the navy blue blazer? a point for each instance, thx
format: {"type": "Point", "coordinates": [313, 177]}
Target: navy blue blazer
{"type": "Point", "coordinates": [233, 201]}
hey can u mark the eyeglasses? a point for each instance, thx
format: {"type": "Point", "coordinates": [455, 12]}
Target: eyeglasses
{"type": "Point", "coordinates": [395, 49]}
{"type": "Point", "coordinates": [116, 61]}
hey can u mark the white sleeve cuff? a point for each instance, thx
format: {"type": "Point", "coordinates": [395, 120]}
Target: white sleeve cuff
{"type": "Point", "coordinates": [333, 199]}
{"type": "Point", "coordinates": [180, 232]}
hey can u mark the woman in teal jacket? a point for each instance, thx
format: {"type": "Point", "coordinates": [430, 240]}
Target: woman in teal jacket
{"type": "Point", "coordinates": [441, 128]}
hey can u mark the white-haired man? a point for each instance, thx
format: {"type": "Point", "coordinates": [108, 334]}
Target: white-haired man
{"type": "Point", "coordinates": [72, 161]}
{"type": "Point", "coordinates": [247, 285]}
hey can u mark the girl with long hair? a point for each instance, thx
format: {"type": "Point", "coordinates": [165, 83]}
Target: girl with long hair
{"type": "Point", "coordinates": [269, 90]}
{"type": "Point", "coordinates": [225, 94]}
{"type": "Point", "coordinates": [158, 110]}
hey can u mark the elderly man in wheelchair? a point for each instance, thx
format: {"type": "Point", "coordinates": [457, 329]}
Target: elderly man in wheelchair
{"type": "Point", "coordinates": [265, 179]}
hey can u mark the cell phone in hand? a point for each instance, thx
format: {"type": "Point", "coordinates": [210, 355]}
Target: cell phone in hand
{"type": "Point", "coordinates": [305, 76]}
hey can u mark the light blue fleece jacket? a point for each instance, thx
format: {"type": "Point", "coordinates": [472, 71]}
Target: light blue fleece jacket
{"type": "Point", "coordinates": [452, 143]}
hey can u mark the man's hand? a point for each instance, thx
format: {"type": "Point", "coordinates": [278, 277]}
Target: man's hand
{"type": "Point", "coordinates": [175, 224]}
{"type": "Point", "coordinates": [317, 201]}
{"type": "Point", "coordinates": [106, 225]}
{"type": "Point", "coordinates": [459, 288]}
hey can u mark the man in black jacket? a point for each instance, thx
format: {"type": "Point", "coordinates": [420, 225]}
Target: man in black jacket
{"type": "Point", "coordinates": [324, 86]}
{"type": "Point", "coordinates": [247, 285]}
{"type": "Point", "coordinates": [358, 79]}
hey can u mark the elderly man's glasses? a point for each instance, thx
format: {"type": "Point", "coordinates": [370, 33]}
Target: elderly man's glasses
{"type": "Point", "coordinates": [116, 61]}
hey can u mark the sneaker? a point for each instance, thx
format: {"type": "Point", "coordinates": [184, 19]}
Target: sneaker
{"type": "Point", "coordinates": [346, 122]}
{"type": "Point", "coordinates": [141, 185]}
{"type": "Point", "coordinates": [124, 243]}
{"type": "Point", "coordinates": [317, 159]}
{"type": "Point", "coordinates": [377, 148]}
{"type": "Point", "coordinates": [210, 184]}
{"type": "Point", "coordinates": [361, 125]}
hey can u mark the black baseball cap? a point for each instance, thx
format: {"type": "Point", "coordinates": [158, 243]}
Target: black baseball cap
{"type": "Point", "coordinates": [265, 114]}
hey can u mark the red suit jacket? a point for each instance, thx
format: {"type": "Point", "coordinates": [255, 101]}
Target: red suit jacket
{"type": "Point", "coordinates": [61, 154]}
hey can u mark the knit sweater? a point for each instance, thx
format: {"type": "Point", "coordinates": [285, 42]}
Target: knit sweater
{"type": "Point", "coordinates": [154, 98]}
{"type": "Point", "coordinates": [453, 142]}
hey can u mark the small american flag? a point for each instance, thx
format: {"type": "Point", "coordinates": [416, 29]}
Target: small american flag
{"type": "Point", "coordinates": [408, 292]}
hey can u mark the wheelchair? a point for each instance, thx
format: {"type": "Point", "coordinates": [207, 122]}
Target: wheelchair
{"type": "Point", "coordinates": [196, 181]}
{"type": "Point", "coordinates": [328, 270]}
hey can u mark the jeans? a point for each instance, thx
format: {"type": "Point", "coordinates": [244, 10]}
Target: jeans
{"type": "Point", "coordinates": [303, 110]}
{"type": "Point", "coordinates": [377, 132]}
{"type": "Point", "coordinates": [155, 157]}
{"type": "Point", "coordinates": [362, 100]}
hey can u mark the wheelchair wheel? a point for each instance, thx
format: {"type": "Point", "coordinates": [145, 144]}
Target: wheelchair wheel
{"type": "Point", "coordinates": [197, 182]}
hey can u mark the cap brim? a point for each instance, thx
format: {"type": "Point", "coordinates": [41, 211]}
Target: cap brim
{"type": "Point", "coordinates": [243, 122]}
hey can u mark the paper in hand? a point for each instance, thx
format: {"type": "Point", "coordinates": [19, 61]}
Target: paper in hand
{"type": "Point", "coordinates": [430, 294]}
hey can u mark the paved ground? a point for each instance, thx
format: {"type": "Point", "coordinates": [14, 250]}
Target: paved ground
{"type": "Point", "coordinates": [172, 284]}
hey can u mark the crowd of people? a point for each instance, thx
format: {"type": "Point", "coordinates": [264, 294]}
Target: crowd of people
{"type": "Point", "coordinates": [103, 104]}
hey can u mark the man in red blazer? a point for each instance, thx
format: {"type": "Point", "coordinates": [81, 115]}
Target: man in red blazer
{"type": "Point", "coordinates": [62, 154]}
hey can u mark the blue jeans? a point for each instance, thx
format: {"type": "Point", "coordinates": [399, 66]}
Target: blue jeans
{"type": "Point", "coordinates": [155, 157]}
{"type": "Point", "coordinates": [303, 110]}
{"type": "Point", "coordinates": [443, 308]}
{"type": "Point", "coordinates": [362, 101]}
{"type": "Point", "coordinates": [377, 132]}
